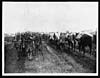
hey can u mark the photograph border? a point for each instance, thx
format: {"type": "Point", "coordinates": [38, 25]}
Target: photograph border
{"type": "Point", "coordinates": [46, 74]}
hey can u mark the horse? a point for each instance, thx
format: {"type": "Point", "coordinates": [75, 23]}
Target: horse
{"type": "Point", "coordinates": [85, 41]}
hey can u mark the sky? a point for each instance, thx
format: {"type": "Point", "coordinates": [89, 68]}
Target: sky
{"type": "Point", "coordinates": [49, 16]}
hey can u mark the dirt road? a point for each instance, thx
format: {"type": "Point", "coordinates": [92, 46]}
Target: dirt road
{"type": "Point", "coordinates": [53, 61]}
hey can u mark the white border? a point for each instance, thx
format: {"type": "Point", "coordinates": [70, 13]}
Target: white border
{"type": "Point", "coordinates": [44, 74]}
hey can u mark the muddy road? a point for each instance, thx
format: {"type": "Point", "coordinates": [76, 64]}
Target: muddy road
{"type": "Point", "coordinates": [49, 60]}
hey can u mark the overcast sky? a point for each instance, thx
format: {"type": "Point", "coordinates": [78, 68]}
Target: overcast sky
{"type": "Point", "coordinates": [45, 16]}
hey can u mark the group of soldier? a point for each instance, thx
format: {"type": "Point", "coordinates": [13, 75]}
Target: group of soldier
{"type": "Point", "coordinates": [28, 44]}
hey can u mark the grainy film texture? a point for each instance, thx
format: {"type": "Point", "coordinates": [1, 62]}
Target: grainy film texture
{"type": "Point", "coordinates": [50, 37]}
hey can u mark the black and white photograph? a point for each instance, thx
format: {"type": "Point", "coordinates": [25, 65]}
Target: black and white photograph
{"type": "Point", "coordinates": [50, 38]}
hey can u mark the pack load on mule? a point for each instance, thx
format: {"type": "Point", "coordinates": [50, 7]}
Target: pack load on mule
{"type": "Point", "coordinates": [73, 41]}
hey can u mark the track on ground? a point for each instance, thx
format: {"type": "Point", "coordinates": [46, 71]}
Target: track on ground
{"type": "Point", "coordinates": [51, 61]}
